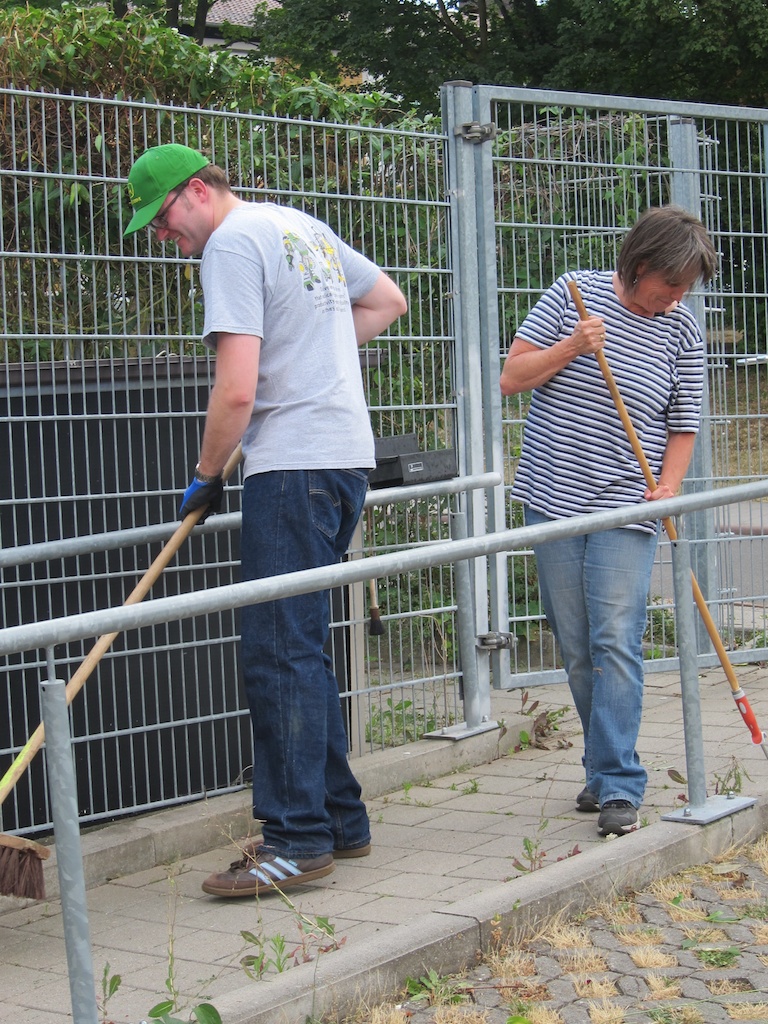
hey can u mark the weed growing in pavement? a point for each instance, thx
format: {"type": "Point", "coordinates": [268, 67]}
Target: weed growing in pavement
{"type": "Point", "coordinates": [534, 856]}
{"type": "Point", "coordinates": [661, 987]}
{"type": "Point", "coordinates": [686, 1014]}
{"type": "Point", "coordinates": [316, 935]}
{"type": "Point", "coordinates": [398, 722]}
{"type": "Point", "coordinates": [732, 780]}
{"type": "Point", "coordinates": [203, 1012]}
{"type": "Point", "coordinates": [545, 723]}
{"type": "Point", "coordinates": [257, 964]}
{"type": "Point", "coordinates": [532, 853]}
{"type": "Point", "coordinates": [436, 989]}
{"type": "Point", "coordinates": [720, 958]}
{"type": "Point", "coordinates": [110, 983]}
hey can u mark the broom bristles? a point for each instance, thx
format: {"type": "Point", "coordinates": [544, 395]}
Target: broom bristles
{"type": "Point", "coordinates": [376, 626]}
{"type": "Point", "coordinates": [21, 869]}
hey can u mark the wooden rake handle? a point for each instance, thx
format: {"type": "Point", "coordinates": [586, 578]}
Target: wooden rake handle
{"type": "Point", "coordinates": [669, 526]}
{"type": "Point", "coordinates": [102, 645]}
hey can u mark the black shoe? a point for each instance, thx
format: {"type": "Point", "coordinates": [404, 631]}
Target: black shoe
{"type": "Point", "coordinates": [587, 801]}
{"type": "Point", "coordinates": [617, 817]}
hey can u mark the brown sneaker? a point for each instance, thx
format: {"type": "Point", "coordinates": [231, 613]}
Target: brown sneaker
{"type": "Point", "coordinates": [251, 845]}
{"type": "Point", "coordinates": [260, 871]}
{"type": "Point", "coordinates": [352, 851]}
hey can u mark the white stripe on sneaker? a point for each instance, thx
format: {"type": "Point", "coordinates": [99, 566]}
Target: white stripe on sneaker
{"type": "Point", "coordinates": [277, 870]}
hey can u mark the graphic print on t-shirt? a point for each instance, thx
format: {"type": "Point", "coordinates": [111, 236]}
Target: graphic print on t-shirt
{"type": "Point", "coordinates": [318, 263]}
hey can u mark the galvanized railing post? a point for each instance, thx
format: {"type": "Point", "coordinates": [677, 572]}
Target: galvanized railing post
{"type": "Point", "coordinates": [686, 191]}
{"type": "Point", "coordinates": [699, 810]}
{"type": "Point", "coordinates": [69, 858]}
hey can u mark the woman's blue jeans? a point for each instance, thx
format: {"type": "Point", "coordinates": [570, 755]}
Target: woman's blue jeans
{"type": "Point", "coordinates": [303, 789]}
{"type": "Point", "coordinates": [595, 593]}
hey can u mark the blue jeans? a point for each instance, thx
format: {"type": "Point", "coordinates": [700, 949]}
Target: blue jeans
{"type": "Point", "coordinates": [595, 594]}
{"type": "Point", "coordinates": [303, 789]}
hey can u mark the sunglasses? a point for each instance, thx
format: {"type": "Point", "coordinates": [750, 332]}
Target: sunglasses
{"type": "Point", "coordinates": [160, 222]}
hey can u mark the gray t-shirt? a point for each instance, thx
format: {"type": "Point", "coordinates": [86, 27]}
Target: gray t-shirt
{"type": "Point", "coordinates": [279, 274]}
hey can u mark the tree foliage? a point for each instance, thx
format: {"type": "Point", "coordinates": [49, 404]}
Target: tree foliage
{"type": "Point", "coordinates": [89, 50]}
{"type": "Point", "coordinates": [710, 50]}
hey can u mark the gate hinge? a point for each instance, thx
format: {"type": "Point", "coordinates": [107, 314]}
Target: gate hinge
{"type": "Point", "coordinates": [495, 641]}
{"type": "Point", "coordinates": [473, 131]}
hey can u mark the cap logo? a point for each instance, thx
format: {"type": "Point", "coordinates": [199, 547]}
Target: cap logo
{"type": "Point", "coordinates": [133, 198]}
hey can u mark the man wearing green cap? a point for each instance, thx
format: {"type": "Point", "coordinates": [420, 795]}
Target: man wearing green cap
{"type": "Point", "coordinates": [287, 302]}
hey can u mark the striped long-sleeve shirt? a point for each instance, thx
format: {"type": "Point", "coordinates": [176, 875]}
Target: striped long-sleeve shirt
{"type": "Point", "coordinates": [576, 456]}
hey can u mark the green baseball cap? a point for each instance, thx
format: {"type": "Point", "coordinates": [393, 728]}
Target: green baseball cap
{"type": "Point", "coordinates": [154, 175]}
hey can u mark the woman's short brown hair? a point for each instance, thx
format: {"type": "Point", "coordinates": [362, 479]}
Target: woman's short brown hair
{"type": "Point", "coordinates": [670, 241]}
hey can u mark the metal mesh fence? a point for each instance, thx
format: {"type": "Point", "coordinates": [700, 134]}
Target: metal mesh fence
{"type": "Point", "coordinates": [104, 384]}
{"type": "Point", "coordinates": [570, 176]}
{"type": "Point", "coordinates": [103, 391]}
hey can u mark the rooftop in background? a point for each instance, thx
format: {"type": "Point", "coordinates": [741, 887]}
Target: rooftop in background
{"type": "Point", "coordinates": [237, 12]}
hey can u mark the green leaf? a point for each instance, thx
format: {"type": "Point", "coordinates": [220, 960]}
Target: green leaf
{"type": "Point", "coordinates": [161, 1009]}
{"type": "Point", "coordinates": [207, 1014]}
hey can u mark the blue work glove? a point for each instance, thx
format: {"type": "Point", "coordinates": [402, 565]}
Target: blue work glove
{"type": "Point", "coordinates": [198, 494]}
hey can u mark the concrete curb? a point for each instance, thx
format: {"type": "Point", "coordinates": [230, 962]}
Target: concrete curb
{"type": "Point", "coordinates": [448, 941]}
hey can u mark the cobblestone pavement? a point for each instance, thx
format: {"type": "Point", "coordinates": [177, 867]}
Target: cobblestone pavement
{"type": "Point", "coordinates": [692, 948]}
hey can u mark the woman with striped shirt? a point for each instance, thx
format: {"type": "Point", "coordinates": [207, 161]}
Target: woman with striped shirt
{"type": "Point", "coordinates": [577, 459]}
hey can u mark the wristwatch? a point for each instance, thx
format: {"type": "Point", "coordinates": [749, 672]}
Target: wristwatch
{"type": "Point", "coordinates": [206, 478]}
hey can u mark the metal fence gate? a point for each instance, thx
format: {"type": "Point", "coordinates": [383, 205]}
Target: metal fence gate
{"type": "Point", "coordinates": [557, 180]}
{"type": "Point", "coordinates": [103, 390]}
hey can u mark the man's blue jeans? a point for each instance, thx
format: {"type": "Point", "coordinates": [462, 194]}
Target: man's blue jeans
{"type": "Point", "coordinates": [595, 594]}
{"type": "Point", "coordinates": [303, 789]}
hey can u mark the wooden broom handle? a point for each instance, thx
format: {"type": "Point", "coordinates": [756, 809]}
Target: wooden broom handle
{"type": "Point", "coordinates": [669, 525]}
{"type": "Point", "coordinates": [102, 645]}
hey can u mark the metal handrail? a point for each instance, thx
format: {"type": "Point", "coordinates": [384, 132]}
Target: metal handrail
{"type": "Point", "coordinates": [14, 639]}
{"type": "Point", "coordinates": [68, 547]}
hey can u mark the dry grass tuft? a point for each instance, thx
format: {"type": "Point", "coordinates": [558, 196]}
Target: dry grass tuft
{"type": "Point", "coordinates": [747, 1011]}
{"type": "Point", "coordinates": [661, 987]}
{"type": "Point", "coordinates": [595, 988]}
{"type": "Point", "coordinates": [761, 934]}
{"type": "Point", "coordinates": [583, 961]}
{"type": "Point", "coordinates": [521, 989]}
{"type": "Point", "coordinates": [459, 1015]}
{"type": "Point", "coordinates": [606, 1013]}
{"type": "Point", "coordinates": [618, 914]}
{"type": "Point", "coordinates": [672, 887]}
{"type": "Point", "coordinates": [686, 1014]}
{"type": "Point", "coordinates": [758, 853]}
{"type": "Point", "coordinates": [507, 963]}
{"type": "Point", "coordinates": [649, 936]}
{"type": "Point", "coordinates": [680, 913]}
{"type": "Point", "coordinates": [652, 957]}
{"type": "Point", "coordinates": [542, 1015]}
{"type": "Point", "coordinates": [709, 935]}
{"type": "Point", "coordinates": [728, 986]}
{"type": "Point", "coordinates": [384, 1013]}
{"type": "Point", "coordinates": [565, 935]}
{"type": "Point", "coordinates": [739, 892]}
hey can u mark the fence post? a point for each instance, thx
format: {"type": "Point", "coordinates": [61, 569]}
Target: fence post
{"type": "Point", "coordinates": [686, 191]}
{"type": "Point", "coordinates": [457, 109]}
{"type": "Point", "coordinates": [700, 810]}
{"type": "Point", "coordinates": [470, 130]}
{"type": "Point", "coordinates": [69, 858]}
